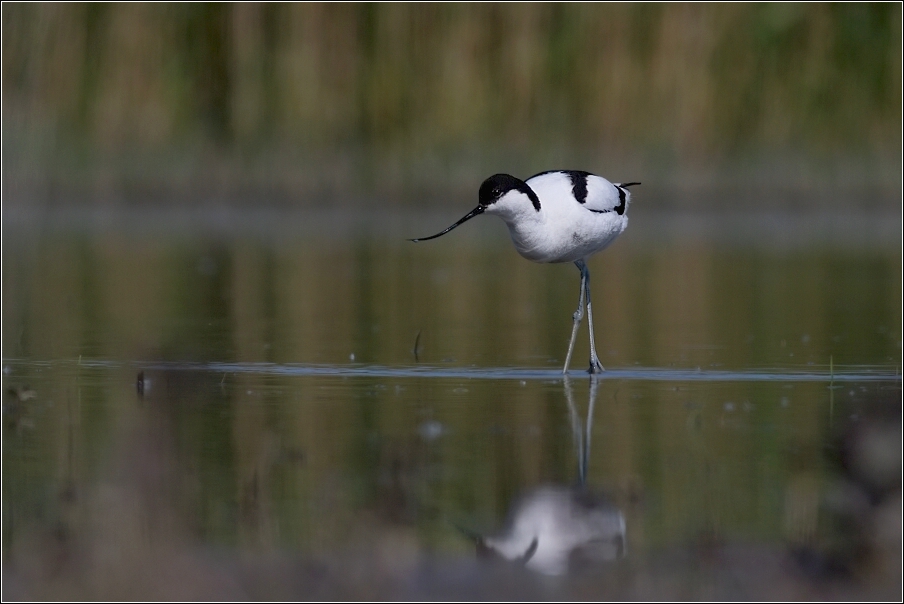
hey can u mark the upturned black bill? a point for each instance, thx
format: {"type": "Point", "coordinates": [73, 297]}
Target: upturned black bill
{"type": "Point", "coordinates": [476, 211]}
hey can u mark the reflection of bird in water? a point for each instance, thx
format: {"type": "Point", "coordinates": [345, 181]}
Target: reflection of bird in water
{"type": "Point", "coordinates": [553, 526]}
{"type": "Point", "coordinates": [558, 216]}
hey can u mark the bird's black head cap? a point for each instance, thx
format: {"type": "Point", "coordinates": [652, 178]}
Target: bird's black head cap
{"type": "Point", "coordinates": [491, 191]}
{"type": "Point", "coordinates": [498, 185]}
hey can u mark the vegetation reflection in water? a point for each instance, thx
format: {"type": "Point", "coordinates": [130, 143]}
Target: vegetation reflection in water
{"type": "Point", "coordinates": [231, 478]}
{"type": "Point", "coordinates": [317, 293]}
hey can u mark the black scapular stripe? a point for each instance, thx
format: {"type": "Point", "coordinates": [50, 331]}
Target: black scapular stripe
{"type": "Point", "coordinates": [578, 184]}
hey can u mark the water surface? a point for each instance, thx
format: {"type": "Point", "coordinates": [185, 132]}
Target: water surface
{"type": "Point", "coordinates": [219, 404]}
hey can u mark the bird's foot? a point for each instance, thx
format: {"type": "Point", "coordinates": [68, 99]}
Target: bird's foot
{"type": "Point", "coordinates": [595, 366]}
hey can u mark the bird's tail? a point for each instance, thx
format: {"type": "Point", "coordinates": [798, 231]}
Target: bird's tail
{"type": "Point", "coordinates": [624, 196]}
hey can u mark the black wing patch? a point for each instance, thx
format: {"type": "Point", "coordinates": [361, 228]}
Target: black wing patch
{"type": "Point", "coordinates": [578, 185]}
{"type": "Point", "coordinates": [622, 193]}
{"type": "Point", "coordinates": [578, 182]}
{"type": "Point", "coordinates": [620, 208]}
{"type": "Point", "coordinates": [579, 189]}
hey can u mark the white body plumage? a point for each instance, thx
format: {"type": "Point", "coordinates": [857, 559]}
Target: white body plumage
{"type": "Point", "coordinates": [564, 229]}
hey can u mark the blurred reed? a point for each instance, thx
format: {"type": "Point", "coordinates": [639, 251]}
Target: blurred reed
{"type": "Point", "coordinates": [352, 97]}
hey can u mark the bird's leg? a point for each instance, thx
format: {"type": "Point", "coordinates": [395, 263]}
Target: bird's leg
{"type": "Point", "coordinates": [594, 384]}
{"type": "Point", "coordinates": [577, 316]}
{"type": "Point", "coordinates": [576, 432]}
{"type": "Point", "coordinates": [595, 365]}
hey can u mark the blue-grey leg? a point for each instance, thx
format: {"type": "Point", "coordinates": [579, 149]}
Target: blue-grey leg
{"type": "Point", "coordinates": [595, 365]}
{"type": "Point", "coordinates": [576, 432]}
{"type": "Point", "coordinates": [577, 316]}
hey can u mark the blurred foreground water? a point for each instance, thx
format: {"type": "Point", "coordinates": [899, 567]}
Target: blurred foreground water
{"type": "Point", "coordinates": [241, 404]}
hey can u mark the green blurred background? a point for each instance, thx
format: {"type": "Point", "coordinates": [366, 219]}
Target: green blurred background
{"type": "Point", "coordinates": [313, 104]}
{"type": "Point", "coordinates": [140, 142]}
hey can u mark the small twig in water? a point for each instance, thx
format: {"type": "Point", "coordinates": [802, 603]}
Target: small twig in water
{"type": "Point", "coordinates": [417, 341]}
{"type": "Point", "coordinates": [831, 390]}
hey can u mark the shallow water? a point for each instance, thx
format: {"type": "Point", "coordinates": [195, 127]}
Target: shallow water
{"type": "Point", "coordinates": [248, 405]}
